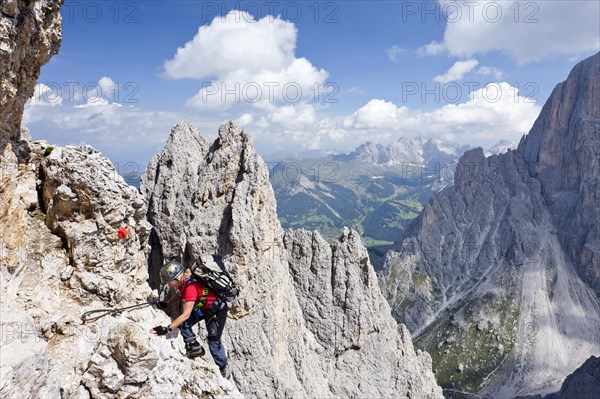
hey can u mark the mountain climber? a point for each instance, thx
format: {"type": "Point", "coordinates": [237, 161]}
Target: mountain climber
{"type": "Point", "coordinates": [200, 302]}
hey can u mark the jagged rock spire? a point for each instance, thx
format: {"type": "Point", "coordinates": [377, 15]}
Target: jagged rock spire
{"type": "Point", "coordinates": [310, 321]}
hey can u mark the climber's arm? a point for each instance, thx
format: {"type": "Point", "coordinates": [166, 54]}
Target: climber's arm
{"type": "Point", "coordinates": [188, 306]}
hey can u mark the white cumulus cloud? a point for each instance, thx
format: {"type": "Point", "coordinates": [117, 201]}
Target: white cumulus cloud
{"type": "Point", "coordinates": [394, 51]}
{"type": "Point", "coordinates": [457, 71]}
{"type": "Point", "coordinates": [245, 119]}
{"type": "Point", "coordinates": [433, 48]}
{"type": "Point", "coordinates": [245, 61]}
{"type": "Point", "coordinates": [492, 112]}
{"type": "Point", "coordinates": [107, 87]}
{"type": "Point", "coordinates": [486, 71]}
{"type": "Point", "coordinates": [44, 95]}
{"type": "Point", "coordinates": [92, 94]}
{"type": "Point", "coordinates": [376, 114]}
{"type": "Point", "coordinates": [525, 30]}
{"type": "Point", "coordinates": [123, 133]}
{"type": "Point", "coordinates": [232, 43]}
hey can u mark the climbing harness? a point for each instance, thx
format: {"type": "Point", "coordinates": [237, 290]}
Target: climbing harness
{"type": "Point", "coordinates": [100, 313]}
{"type": "Point", "coordinates": [201, 302]}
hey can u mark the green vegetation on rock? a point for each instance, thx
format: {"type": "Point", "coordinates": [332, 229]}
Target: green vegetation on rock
{"type": "Point", "coordinates": [470, 342]}
{"type": "Point", "coordinates": [419, 279]}
{"type": "Point", "coordinates": [325, 195]}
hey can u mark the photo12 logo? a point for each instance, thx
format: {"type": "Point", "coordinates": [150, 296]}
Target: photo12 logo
{"type": "Point", "coordinates": [291, 172]}
{"type": "Point", "coordinates": [125, 12]}
{"type": "Point", "coordinates": [23, 331]}
{"type": "Point", "coordinates": [455, 93]}
{"type": "Point", "coordinates": [254, 92]}
{"type": "Point", "coordinates": [129, 171]}
{"type": "Point", "coordinates": [89, 93]}
{"type": "Point", "coordinates": [470, 11]}
{"type": "Point", "coordinates": [252, 11]}
{"type": "Point", "coordinates": [428, 172]}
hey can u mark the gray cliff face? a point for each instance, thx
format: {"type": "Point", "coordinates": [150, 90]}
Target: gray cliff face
{"type": "Point", "coordinates": [342, 307]}
{"type": "Point", "coordinates": [562, 151]}
{"type": "Point", "coordinates": [513, 245]}
{"type": "Point", "coordinates": [30, 33]}
{"type": "Point", "coordinates": [85, 202]}
{"type": "Point", "coordinates": [309, 321]}
{"type": "Point", "coordinates": [184, 161]}
{"type": "Point", "coordinates": [61, 254]}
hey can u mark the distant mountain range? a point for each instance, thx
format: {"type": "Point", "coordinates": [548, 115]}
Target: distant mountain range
{"type": "Point", "coordinates": [376, 189]}
{"type": "Point", "coordinates": [414, 150]}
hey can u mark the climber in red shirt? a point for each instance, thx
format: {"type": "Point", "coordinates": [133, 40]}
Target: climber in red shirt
{"type": "Point", "coordinates": [200, 302]}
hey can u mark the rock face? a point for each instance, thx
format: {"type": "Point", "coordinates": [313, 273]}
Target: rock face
{"type": "Point", "coordinates": [310, 320]}
{"type": "Point", "coordinates": [33, 26]}
{"type": "Point", "coordinates": [562, 151]}
{"type": "Point", "coordinates": [363, 348]}
{"type": "Point", "coordinates": [584, 383]}
{"type": "Point", "coordinates": [61, 254]}
{"type": "Point", "coordinates": [85, 203]}
{"type": "Point", "coordinates": [30, 33]}
{"type": "Point", "coordinates": [514, 245]}
{"type": "Point", "coordinates": [20, 23]}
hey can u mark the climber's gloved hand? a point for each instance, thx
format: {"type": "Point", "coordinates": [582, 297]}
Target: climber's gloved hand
{"type": "Point", "coordinates": [160, 330]}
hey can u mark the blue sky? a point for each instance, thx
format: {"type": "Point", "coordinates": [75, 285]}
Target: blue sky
{"type": "Point", "coordinates": [353, 71]}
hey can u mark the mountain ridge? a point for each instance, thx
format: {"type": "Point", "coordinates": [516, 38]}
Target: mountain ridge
{"type": "Point", "coordinates": [224, 203]}
{"type": "Point", "coordinates": [526, 218]}
{"type": "Point", "coordinates": [405, 150]}
{"type": "Point", "coordinates": [376, 189]}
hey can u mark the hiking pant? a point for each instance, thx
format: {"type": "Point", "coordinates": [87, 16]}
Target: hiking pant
{"type": "Point", "coordinates": [214, 325]}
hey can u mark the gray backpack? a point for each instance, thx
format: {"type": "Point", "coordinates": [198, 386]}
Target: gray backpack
{"type": "Point", "coordinates": [211, 270]}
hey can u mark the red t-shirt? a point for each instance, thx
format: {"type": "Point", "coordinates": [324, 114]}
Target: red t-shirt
{"type": "Point", "coordinates": [194, 291]}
